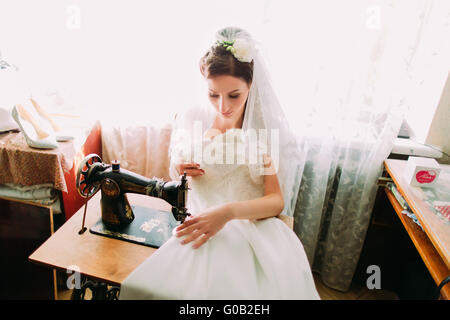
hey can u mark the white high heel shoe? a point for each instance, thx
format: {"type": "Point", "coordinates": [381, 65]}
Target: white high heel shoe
{"type": "Point", "coordinates": [61, 135]}
{"type": "Point", "coordinates": [35, 134]}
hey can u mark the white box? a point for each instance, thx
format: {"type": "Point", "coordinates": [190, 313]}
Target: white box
{"type": "Point", "coordinates": [421, 172]}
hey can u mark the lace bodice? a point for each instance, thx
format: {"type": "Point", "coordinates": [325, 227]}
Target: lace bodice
{"type": "Point", "coordinates": [231, 174]}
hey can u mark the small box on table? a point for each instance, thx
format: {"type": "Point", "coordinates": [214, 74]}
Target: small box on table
{"type": "Point", "coordinates": [421, 172]}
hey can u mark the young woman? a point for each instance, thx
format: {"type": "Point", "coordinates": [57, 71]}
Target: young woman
{"type": "Point", "coordinates": [233, 246]}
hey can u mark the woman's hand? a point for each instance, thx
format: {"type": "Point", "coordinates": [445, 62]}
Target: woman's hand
{"type": "Point", "coordinates": [192, 169]}
{"type": "Point", "coordinates": [205, 225]}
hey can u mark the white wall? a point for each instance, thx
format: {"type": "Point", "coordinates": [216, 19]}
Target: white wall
{"type": "Point", "coordinates": [439, 133]}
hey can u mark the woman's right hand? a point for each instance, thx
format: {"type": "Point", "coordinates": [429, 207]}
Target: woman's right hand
{"type": "Point", "coordinates": [192, 169]}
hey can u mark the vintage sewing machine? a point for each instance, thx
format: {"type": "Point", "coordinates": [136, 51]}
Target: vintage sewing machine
{"type": "Point", "coordinates": [116, 212]}
{"type": "Point", "coordinates": [120, 219]}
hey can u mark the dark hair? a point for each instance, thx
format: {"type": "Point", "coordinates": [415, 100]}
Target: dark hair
{"type": "Point", "coordinates": [219, 61]}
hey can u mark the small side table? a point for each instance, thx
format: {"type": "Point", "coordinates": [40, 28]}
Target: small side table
{"type": "Point", "coordinates": [433, 242]}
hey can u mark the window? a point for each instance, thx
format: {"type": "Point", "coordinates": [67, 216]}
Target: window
{"type": "Point", "coordinates": [141, 57]}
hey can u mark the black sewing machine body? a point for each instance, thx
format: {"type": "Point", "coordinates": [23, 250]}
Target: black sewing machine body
{"type": "Point", "coordinates": [115, 183]}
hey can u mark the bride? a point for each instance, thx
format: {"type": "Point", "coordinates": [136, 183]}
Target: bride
{"type": "Point", "coordinates": [233, 246]}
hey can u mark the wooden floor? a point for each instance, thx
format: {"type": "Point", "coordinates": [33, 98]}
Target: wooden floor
{"type": "Point", "coordinates": [356, 292]}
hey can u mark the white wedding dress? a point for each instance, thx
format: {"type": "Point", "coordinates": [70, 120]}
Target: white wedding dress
{"type": "Point", "coordinates": [246, 259]}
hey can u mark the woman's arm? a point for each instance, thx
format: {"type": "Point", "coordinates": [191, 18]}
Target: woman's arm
{"type": "Point", "coordinates": [270, 205]}
{"type": "Point", "coordinates": [209, 222]}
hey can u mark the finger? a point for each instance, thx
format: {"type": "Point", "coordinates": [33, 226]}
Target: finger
{"type": "Point", "coordinates": [194, 235]}
{"type": "Point", "coordinates": [269, 171]}
{"type": "Point", "coordinates": [181, 167]}
{"type": "Point", "coordinates": [197, 172]}
{"type": "Point", "coordinates": [191, 165]}
{"type": "Point", "coordinates": [267, 160]}
{"type": "Point", "coordinates": [187, 223]}
{"type": "Point", "coordinates": [194, 172]}
{"type": "Point", "coordinates": [205, 237]}
{"type": "Point", "coordinates": [269, 168]}
{"type": "Point", "coordinates": [187, 230]}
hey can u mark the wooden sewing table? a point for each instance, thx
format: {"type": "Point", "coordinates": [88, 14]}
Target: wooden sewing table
{"type": "Point", "coordinates": [99, 258]}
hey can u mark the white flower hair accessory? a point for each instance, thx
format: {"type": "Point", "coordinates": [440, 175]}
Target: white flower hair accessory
{"type": "Point", "coordinates": [240, 48]}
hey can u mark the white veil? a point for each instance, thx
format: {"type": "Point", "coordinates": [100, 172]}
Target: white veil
{"type": "Point", "coordinates": [263, 111]}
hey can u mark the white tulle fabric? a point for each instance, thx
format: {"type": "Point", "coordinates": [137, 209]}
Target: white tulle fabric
{"type": "Point", "coordinates": [245, 260]}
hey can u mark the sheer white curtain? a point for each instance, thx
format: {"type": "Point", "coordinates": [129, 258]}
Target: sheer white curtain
{"type": "Point", "coordinates": [374, 68]}
{"type": "Point", "coordinates": [345, 71]}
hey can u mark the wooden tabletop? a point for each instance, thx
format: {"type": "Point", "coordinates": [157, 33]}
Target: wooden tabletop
{"type": "Point", "coordinates": [97, 257]}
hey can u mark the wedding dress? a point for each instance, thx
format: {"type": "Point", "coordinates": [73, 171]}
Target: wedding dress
{"type": "Point", "coordinates": [246, 259]}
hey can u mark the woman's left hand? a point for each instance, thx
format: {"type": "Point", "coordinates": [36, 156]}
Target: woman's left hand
{"type": "Point", "coordinates": [204, 225]}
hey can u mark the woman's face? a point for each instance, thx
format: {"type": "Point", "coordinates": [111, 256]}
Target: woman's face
{"type": "Point", "coordinates": [228, 95]}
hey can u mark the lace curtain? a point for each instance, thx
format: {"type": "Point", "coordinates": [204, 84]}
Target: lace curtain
{"type": "Point", "coordinates": [360, 99]}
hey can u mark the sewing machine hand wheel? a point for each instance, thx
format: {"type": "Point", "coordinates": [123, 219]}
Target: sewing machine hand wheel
{"type": "Point", "coordinates": [85, 189]}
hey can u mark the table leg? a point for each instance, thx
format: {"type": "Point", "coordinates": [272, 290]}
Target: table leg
{"type": "Point", "coordinates": [55, 285]}
{"type": "Point", "coordinates": [100, 291]}
{"type": "Point", "coordinates": [52, 231]}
